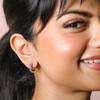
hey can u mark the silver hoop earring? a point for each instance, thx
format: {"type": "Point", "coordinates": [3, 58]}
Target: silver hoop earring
{"type": "Point", "coordinates": [31, 68]}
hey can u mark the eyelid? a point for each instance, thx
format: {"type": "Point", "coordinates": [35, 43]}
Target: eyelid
{"type": "Point", "coordinates": [74, 21]}
{"type": "Point", "coordinates": [76, 29]}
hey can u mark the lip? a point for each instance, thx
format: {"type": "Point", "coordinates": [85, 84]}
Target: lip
{"type": "Point", "coordinates": [92, 57]}
{"type": "Point", "coordinates": [94, 66]}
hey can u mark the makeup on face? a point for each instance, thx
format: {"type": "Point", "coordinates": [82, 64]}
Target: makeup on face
{"type": "Point", "coordinates": [64, 47]}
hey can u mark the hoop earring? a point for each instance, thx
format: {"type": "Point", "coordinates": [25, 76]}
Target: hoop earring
{"type": "Point", "coordinates": [31, 69]}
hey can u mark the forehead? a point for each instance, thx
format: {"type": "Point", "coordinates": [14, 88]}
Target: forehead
{"type": "Point", "coordinates": [94, 4]}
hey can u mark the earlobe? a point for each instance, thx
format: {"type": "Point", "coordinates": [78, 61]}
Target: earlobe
{"type": "Point", "coordinates": [33, 65]}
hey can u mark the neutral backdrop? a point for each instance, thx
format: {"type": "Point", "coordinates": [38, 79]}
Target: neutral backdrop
{"type": "Point", "coordinates": [3, 26]}
{"type": "Point", "coordinates": [4, 29]}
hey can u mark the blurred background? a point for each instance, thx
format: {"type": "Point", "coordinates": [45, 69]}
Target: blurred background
{"type": "Point", "coordinates": [3, 29]}
{"type": "Point", "coordinates": [3, 26]}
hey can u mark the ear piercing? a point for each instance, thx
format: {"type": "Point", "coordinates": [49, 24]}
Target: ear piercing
{"type": "Point", "coordinates": [31, 68]}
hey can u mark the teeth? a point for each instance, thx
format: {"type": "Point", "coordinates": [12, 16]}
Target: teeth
{"type": "Point", "coordinates": [96, 61]}
{"type": "Point", "coordinates": [99, 60]}
{"type": "Point", "coordinates": [86, 61]}
{"type": "Point", "coordinates": [92, 61]}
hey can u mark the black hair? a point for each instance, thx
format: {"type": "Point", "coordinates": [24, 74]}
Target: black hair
{"type": "Point", "coordinates": [16, 81]}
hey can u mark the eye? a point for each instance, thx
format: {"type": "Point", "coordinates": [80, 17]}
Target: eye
{"type": "Point", "coordinates": [75, 24]}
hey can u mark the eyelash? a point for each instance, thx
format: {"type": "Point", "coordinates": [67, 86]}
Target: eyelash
{"type": "Point", "coordinates": [75, 24]}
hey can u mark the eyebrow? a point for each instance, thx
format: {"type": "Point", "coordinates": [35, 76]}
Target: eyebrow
{"type": "Point", "coordinates": [82, 13]}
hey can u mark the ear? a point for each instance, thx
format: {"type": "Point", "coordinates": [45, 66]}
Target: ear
{"type": "Point", "coordinates": [24, 49]}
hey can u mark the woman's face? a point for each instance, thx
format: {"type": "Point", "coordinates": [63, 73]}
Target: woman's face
{"type": "Point", "coordinates": [67, 39]}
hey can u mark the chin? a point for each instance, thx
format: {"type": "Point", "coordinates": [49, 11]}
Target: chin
{"type": "Point", "coordinates": [95, 87]}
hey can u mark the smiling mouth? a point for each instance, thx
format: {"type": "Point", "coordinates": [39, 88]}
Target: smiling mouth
{"type": "Point", "coordinates": [92, 59]}
{"type": "Point", "coordinates": [92, 62]}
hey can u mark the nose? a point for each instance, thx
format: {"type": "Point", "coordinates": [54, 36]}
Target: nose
{"type": "Point", "coordinates": [94, 41]}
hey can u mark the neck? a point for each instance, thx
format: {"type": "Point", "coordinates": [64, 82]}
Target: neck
{"type": "Point", "coordinates": [47, 91]}
{"type": "Point", "coordinates": [43, 95]}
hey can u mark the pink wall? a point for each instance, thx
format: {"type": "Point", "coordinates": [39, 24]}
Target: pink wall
{"type": "Point", "coordinates": [3, 29]}
{"type": "Point", "coordinates": [3, 26]}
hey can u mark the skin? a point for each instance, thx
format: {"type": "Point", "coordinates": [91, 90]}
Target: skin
{"type": "Point", "coordinates": [59, 73]}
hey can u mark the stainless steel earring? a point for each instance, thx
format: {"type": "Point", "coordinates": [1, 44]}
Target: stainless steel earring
{"type": "Point", "coordinates": [31, 68]}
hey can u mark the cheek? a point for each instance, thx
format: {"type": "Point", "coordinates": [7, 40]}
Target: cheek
{"type": "Point", "coordinates": [61, 48]}
{"type": "Point", "coordinates": [59, 51]}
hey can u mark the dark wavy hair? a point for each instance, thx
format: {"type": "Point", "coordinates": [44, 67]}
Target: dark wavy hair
{"type": "Point", "coordinates": [16, 81]}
